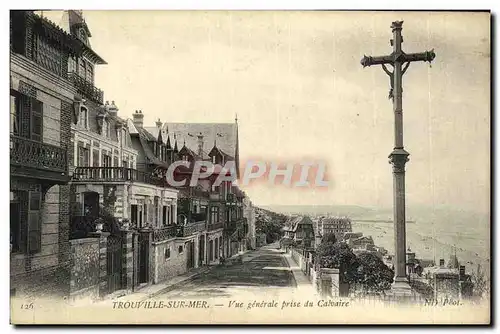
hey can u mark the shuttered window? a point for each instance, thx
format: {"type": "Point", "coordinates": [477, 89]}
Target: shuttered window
{"type": "Point", "coordinates": [34, 222]}
{"type": "Point", "coordinates": [36, 120]}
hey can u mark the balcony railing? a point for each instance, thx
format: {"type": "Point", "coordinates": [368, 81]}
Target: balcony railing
{"type": "Point", "coordinates": [86, 88]}
{"type": "Point", "coordinates": [191, 228]}
{"type": "Point", "coordinates": [29, 153]}
{"type": "Point", "coordinates": [116, 174]}
{"type": "Point", "coordinates": [211, 227]}
{"type": "Point", "coordinates": [164, 233]}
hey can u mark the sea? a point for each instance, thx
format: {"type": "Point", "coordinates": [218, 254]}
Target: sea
{"type": "Point", "coordinates": [437, 234]}
{"type": "Point", "coordinates": [433, 234]}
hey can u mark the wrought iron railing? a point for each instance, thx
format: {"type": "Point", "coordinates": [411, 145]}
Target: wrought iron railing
{"type": "Point", "coordinates": [86, 88]}
{"type": "Point", "coordinates": [89, 174]}
{"type": "Point", "coordinates": [164, 233]}
{"type": "Point", "coordinates": [211, 227]}
{"type": "Point", "coordinates": [30, 153]}
{"type": "Point", "coordinates": [191, 228]}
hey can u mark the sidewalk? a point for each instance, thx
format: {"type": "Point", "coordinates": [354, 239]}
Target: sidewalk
{"type": "Point", "coordinates": [303, 282]}
{"type": "Point", "coordinates": [154, 290]}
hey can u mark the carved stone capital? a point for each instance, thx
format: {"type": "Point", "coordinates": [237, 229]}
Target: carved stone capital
{"type": "Point", "coordinates": [398, 158]}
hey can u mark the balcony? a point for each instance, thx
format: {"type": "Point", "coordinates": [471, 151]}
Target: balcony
{"type": "Point", "coordinates": [216, 226]}
{"type": "Point", "coordinates": [164, 233]}
{"type": "Point", "coordinates": [191, 228]}
{"type": "Point", "coordinates": [86, 88]}
{"type": "Point", "coordinates": [37, 159]}
{"type": "Point", "coordinates": [115, 174]}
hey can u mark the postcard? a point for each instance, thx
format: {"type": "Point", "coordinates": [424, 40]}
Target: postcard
{"type": "Point", "coordinates": [250, 167]}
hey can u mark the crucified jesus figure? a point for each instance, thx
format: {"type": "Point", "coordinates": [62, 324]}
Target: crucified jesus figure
{"type": "Point", "coordinates": [391, 77]}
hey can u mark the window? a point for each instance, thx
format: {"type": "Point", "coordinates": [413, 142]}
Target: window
{"type": "Point", "coordinates": [48, 56]}
{"type": "Point", "coordinates": [36, 119]}
{"type": "Point", "coordinates": [95, 158]}
{"type": "Point", "coordinates": [105, 128]}
{"type": "Point", "coordinates": [167, 253]}
{"type": "Point", "coordinates": [15, 223]}
{"type": "Point", "coordinates": [34, 222]}
{"type": "Point", "coordinates": [14, 114]}
{"type": "Point", "coordinates": [71, 65]}
{"type": "Point", "coordinates": [214, 214]}
{"type": "Point", "coordinates": [81, 68]}
{"type": "Point", "coordinates": [124, 137]}
{"type": "Point", "coordinates": [164, 215]}
{"type": "Point", "coordinates": [83, 119]}
{"type": "Point", "coordinates": [83, 157]}
{"type": "Point", "coordinates": [106, 160]}
{"type": "Point", "coordinates": [216, 253]}
{"type": "Point", "coordinates": [181, 249]}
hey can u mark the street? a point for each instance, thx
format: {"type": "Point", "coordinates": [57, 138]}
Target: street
{"type": "Point", "coordinates": [263, 271]}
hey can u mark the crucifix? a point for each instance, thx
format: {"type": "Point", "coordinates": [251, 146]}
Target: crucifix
{"type": "Point", "coordinates": [399, 61]}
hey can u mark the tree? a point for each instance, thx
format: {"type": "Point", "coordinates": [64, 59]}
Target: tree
{"type": "Point", "coordinates": [481, 286]}
{"type": "Point", "coordinates": [338, 255]}
{"type": "Point", "coordinates": [329, 238]}
{"type": "Point", "coordinates": [372, 273]}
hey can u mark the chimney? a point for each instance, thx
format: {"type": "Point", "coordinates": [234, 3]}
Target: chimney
{"type": "Point", "coordinates": [112, 109]}
{"type": "Point", "coordinates": [138, 118]}
{"type": "Point", "coordinates": [441, 263]}
{"type": "Point", "coordinates": [200, 144]}
{"type": "Point", "coordinates": [462, 273]}
{"type": "Point", "coordinates": [159, 124]}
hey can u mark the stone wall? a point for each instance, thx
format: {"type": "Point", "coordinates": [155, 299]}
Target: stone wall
{"type": "Point", "coordinates": [166, 268]}
{"type": "Point", "coordinates": [85, 269]}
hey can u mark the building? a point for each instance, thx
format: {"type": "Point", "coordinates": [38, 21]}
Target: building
{"type": "Point", "coordinates": [334, 225]}
{"type": "Point", "coordinates": [449, 282]}
{"type": "Point", "coordinates": [249, 214]}
{"type": "Point", "coordinates": [42, 99]}
{"type": "Point", "coordinates": [216, 143]}
{"type": "Point", "coordinates": [300, 229]}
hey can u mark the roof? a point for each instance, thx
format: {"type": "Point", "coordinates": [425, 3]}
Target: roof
{"type": "Point", "coordinates": [335, 220]}
{"type": "Point", "coordinates": [221, 135]}
{"type": "Point", "coordinates": [293, 222]}
{"type": "Point", "coordinates": [55, 31]}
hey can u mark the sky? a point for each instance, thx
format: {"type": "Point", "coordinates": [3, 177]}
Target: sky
{"type": "Point", "coordinates": [295, 81]}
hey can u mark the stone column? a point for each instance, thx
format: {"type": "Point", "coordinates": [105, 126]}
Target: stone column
{"type": "Point", "coordinates": [196, 251]}
{"type": "Point", "coordinates": [103, 246]}
{"type": "Point", "coordinates": [127, 259]}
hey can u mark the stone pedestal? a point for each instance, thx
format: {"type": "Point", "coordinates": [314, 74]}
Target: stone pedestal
{"type": "Point", "coordinates": [330, 279]}
{"type": "Point", "coordinates": [401, 288]}
{"type": "Point", "coordinates": [127, 259]}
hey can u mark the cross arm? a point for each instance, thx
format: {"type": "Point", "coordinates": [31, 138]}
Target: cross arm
{"type": "Point", "coordinates": [421, 56]}
{"type": "Point", "coordinates": [379, 60]}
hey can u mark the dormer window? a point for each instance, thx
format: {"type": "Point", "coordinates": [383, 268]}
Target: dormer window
{"type": "Point", "coordinates": [105, 128]}
{"type": "Point", "coordinates": [82, 35]}
{"type": "Point", "coordinates": [83, 118]}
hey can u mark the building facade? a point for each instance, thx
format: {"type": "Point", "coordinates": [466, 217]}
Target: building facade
{"type": "Point", "coordinates": [334, 225]}
{"type": "Point", "coordinates": [41, 109]}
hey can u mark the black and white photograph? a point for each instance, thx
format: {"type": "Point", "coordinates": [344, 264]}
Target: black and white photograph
{"type": "Point", "coordinates": [250, 167]}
